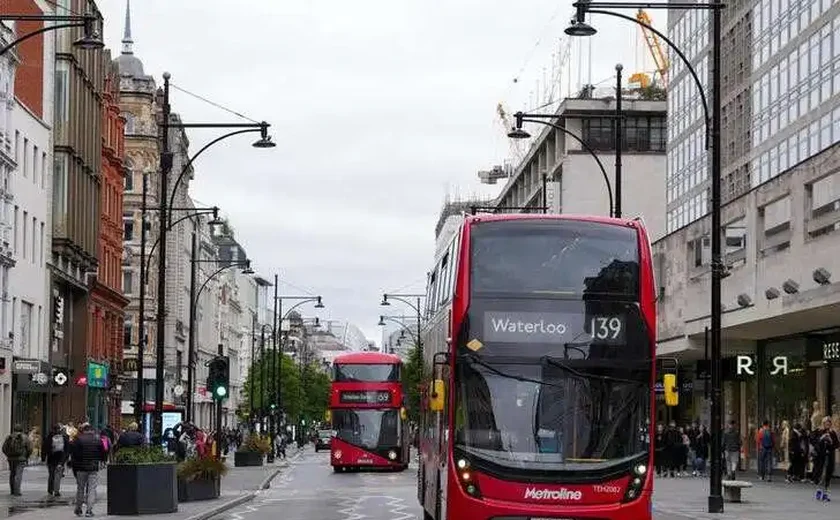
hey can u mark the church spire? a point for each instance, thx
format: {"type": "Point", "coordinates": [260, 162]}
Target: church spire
{"type": "Point", "coordinates": [127, 42]}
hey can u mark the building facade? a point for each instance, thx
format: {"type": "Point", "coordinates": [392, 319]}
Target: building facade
{"type": "Point", "coordinates": [77, 138]}
{"type": "Point", "coordinates": [781, 158]}
{"type": "Point", "coordinates": [572, 179]}
{"type": "Point", "coordinates": [28, 199]}
{"type": "Point", "coordinates": [8, 164]}
{"type": "Point", "coordinates": [137, 99]}
{"type": "Point", "coordinates": [107, 302]}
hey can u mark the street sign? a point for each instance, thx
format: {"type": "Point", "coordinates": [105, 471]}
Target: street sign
{"type": "Point", "coordinates": [178, 390]}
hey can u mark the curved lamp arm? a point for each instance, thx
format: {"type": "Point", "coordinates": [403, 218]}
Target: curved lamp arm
{"type": "Point", "coordinates": [295, 306]}
{"type": "Point", "coordinates": [386, 297]}
{"type": "Point", "coordinates": [195, 156]}
{"type": "Point", "coordinates": [157, 241]}
{"type": "Point", "coordinates": [682, 56]}
{"type": "Point", "coordinates": [401, 324]}
{"type": "Point", "coordinates": [582, 143]}
{"type": "Point", "coordinates": [246, 264]}
{"type": "Point", "coordinates": [42, 30]}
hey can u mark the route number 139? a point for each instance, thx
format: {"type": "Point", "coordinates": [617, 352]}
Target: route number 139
{"type": "Point", "coordinates": [606, 327]}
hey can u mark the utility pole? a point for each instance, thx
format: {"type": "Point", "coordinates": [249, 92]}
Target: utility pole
{"type": "Point", "coordinates": [140, 400]}
{"type": "Point", "coordinates": [619, 138]}
{"type": "Point", "coordinates": [160, 351]}
{"type": "Point", "coordinates": [193, 325]}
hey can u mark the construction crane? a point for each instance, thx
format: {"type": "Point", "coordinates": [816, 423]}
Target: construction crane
{"type": "Point", "coordinates": [660, 58]}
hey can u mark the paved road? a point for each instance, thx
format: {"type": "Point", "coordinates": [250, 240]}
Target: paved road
{"type": "Point", "coordinates": [309, 489]}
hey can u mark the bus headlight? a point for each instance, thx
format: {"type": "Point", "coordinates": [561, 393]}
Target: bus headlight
{"type": "Point", "coordinates": [640, 470]}
{"type": "Point", "coordinates": [337, 454]}
{"type": "Point", "coordinates": [392, 455]}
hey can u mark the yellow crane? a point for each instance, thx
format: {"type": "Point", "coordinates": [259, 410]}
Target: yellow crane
{"type": "Point", "coordinates": [660, 57]}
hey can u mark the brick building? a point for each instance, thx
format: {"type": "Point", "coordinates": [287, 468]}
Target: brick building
{"type": "Point", "coordinates": [107, 303]}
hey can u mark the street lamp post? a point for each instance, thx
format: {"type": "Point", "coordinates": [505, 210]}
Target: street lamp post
{"type": "Point", "coordinates": [140, 401]}
{"type": "Point", "coordinates": [195, 294]}
{"type": "Point", "coordinates": [166, 158]}
{"type": "Point", "coordinates": [91, 39]}
{"type": "Point", "coordinates": [416, 305]}
{"type": "Point", "coordinates": [545, 119]}
{"type": "Point", "coordinates": [396, 319]}
{"type": "Point", "coordinates": [579, 27]}
{"type": "Point", "coordinates": [619, 140]}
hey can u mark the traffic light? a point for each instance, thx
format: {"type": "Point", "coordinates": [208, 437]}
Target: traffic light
{"type": "Point", "coordinates": [218, 380]}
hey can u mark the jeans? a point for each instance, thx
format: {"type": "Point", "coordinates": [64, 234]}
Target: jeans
{"type": "Point", "coordinates": [16, 475]}
{"type": "Point", "coordinates": [765, 463]}
{"type": "Point", "coordinates": [86, 489]}
{"type": "Point", "coordinates": [56, 473]}
{"type": "Point", "coordinates": [732, 460]}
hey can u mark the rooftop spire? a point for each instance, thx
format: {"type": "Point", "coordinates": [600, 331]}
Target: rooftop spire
{"type": "Point", "coordinates": [127, 42]}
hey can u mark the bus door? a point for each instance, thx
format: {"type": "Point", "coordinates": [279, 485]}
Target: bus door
{"type": "Point", "coordinates": [440, 399]}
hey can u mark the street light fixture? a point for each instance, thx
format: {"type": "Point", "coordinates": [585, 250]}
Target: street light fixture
{"type": "Point", "coordinates": [518, 133]}
{"type": "Point", "coordinates": [91, 40]}
{"type": "Point", "coordinates": [166, 160]}
{"type": "Point", "coordinates": [579, 27]}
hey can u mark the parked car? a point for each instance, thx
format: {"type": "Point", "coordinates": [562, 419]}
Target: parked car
{"type": "Point", "coordinates": [323, 439]}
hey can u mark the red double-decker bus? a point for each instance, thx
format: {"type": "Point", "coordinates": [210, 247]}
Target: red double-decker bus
{"type": "Point", "coordinates": [367, 414]}
{"type": "Point", "coordinates": [540, 354]}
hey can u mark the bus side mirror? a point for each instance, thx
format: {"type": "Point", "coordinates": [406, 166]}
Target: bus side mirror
{"type": "Point", "coordinates": [436, 400]}
{"type": "Point", "coordinates": [672, 394]}
{"type": "Point", "coordinates": [403, 413]}
{"type": "Point", "coordinates": [328, 416]}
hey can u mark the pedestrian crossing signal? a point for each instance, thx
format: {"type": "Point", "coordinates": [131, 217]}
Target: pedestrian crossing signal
{"type": "Point", "coordinates": [218, 380]}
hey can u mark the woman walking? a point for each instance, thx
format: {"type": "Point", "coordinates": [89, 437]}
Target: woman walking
{"type": "Point", "coordinates": [827, 445]}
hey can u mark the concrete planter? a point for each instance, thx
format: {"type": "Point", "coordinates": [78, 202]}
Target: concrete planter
{"type": "Point", "coordinates": [199, 489]}
{"type": "Point", "coordinates": [248, 458]}
{"type": "Point", "coordinates": [144, 489]}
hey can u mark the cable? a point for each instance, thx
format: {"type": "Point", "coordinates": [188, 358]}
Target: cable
{"type": "Point", "coordinates": [234, 112]}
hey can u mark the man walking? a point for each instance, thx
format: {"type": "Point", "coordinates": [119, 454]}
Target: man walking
{"type": "Point", "coordinates": [56, 447]}
{"type": "Point", "coordinates": [86, 454]}
{"type": "Point", "coordinates": [17, 450]}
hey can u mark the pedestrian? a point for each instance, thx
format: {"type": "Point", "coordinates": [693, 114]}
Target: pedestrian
{"type": "Point", "coordinates": [732, 449]}
{"type": "Point", "coordinates": [827, 446]}
{"type": "Point", "coordinates": [17, 450]}
{"type": "Point", "coordinates": [87, 453]}
{"type": "Point", "coordinates": [766, 442]}
{"type": "Point", "coordinates": [131, 438]}
{"type": "Point", "coordinates": [56, 450]}
{"type": "Point", "coordinates": [797, 448]}
{"type": "Point", "coordinates": [659, 458]}
{"type": "Point", "coordinates": [280, 444]}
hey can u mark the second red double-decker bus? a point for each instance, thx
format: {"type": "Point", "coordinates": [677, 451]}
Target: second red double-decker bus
{"type": "Point", "coordinates": [540, 353]}
{"type": "Point", "coordinates": [367, 414]}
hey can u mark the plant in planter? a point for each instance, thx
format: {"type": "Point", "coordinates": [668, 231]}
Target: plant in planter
{"type": "Point", "coordinates": [199, 478]}
{"type": "Point", "coordinates": [148, 483]}
{"type": "Point", "coordinates": [253, 451]}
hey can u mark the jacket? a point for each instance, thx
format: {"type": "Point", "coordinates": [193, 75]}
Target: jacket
{"type": "Point", "coordinates": [57, 457]}
{"type": "Point", "coordinates": [87, 452]}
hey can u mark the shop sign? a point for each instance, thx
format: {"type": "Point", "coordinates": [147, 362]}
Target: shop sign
{"type": "Point", "coordinates": [97, 375]}
{"type": "Point", "coordinates": [129, 365]}
{"type": "Point", "coordinates": [26, 366]}
{"type": "Point", "coordinates": [831, 351]}
{"type": "Point", "coordinates": [744, 366]}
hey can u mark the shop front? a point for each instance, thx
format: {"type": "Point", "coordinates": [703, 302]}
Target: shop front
{"type": "Point", "coordinates": [787, 381]}
{"type": "Point", "coordinates": [97, 394]}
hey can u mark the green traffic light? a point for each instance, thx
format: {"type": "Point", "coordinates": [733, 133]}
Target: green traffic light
{"type": "Point", "coordinates": [221, 391]}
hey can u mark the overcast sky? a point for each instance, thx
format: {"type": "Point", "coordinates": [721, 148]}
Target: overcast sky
{"type": "Point", "coordinates": [380, 108]}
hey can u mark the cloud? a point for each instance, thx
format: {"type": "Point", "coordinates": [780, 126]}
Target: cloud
{"type": "Point", "coordinates": [379, 109]}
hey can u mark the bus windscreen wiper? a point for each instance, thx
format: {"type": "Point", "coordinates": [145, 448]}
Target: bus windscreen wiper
{"type": "Point", "coordinates": [596, 377]}
{"type": "Point", "coordinates": [472, 359]}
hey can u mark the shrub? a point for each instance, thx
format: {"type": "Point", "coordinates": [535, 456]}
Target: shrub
{"type": "Point", "coordinates": [142, 455]}
{"type": "Point", "coordinates": [256, 443]}
{"type": "Point", "coordinates": [202, 468]}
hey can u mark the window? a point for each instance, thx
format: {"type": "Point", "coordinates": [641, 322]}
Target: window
{"type": "Point", "coordinates": [128, 228]}
{"type": "Point", "coordinates": [34, 256]}
{"type": "Point", "coordinates": [25, 166]}
{"type": "Point", "coordinates": [60, 192]}
{"type": "Point", "coordinates": [128, 328]}
{"type": "Point", "coordinates": [736, 242]}
{"type": "Point", "coordinates": [369, 373]}
{"type": "Point", "coordinates": [128, 282]}
{"type": "Point", "coordinates": [129, 180]}
{"type": "Point", "coordinates": [25, 327]}
{"type": "Point", "coordinates": [701, 250]}
{"type": "Point", "coordinates": [599, 133]}
{"type": "Point", "coordinates": [15, 238]}
{"type": "Point", "coordinates": [25, 233]}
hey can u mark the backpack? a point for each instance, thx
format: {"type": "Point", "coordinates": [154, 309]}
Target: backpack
{"type": "Point", "coordinates": [57, 443]}
{"type": "Point", "coordinates": [767, 439]}
{"type": "Point", "coordinates": [17, 446]}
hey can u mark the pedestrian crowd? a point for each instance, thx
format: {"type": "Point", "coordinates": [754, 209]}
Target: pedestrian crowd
{"type": "Point", "coordinates": [810, 454]}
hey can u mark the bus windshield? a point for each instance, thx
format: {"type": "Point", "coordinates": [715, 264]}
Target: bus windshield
{"type": "Point", "coordinates": [368, 429]}
{"type": "Point", "coordinates": [553, 257]}
{"type": "Point", "coordinates": [366, 373]}
{"type": "Point", "coordinates": [553, 385]}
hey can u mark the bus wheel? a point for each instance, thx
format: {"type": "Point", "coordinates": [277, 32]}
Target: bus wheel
{"type": "Point", "coordinates": [337, 469]}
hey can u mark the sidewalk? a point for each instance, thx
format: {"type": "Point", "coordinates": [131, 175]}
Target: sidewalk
{"type": "Point", "coordinates": [238, 486]}
{"type": "Point", "coordinates": [688, 498]}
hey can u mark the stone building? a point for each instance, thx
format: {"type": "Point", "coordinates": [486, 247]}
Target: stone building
{"type": "Point", "coordinates": [107, 302]}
